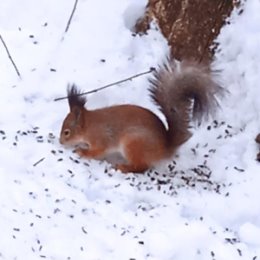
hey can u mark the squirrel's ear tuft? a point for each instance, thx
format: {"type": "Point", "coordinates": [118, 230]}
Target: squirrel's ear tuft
{"type": "Point", "coordinates": [75, 97]}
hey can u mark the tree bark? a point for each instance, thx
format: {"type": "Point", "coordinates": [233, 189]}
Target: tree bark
{"type": "Point", "coordinates": [190, 26]}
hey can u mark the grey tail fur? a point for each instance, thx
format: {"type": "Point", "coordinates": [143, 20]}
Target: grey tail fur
{"type": "Point", "coordinates": [74, 97]}
{"type": "Point", "coordinates": [184, 92]}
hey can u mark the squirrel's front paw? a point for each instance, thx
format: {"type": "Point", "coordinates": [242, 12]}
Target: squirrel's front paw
{"type": "Point", "coordinates": [80, 151]}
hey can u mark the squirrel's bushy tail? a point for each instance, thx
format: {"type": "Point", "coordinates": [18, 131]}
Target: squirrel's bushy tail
{"type": "Point", "coordinates": [184, 91]}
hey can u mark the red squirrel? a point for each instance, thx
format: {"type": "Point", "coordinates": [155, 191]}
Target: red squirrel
{"type": "Point", "coordinates": [183, 91]}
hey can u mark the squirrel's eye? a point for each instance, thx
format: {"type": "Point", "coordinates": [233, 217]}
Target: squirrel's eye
{"type": "Point", "coordinates": [66, 132]}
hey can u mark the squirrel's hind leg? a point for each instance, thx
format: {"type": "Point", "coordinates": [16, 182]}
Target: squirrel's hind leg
{"type": "Point", "coordinates": [135, 154]}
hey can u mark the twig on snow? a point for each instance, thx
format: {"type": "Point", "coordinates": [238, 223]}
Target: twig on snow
{"type": "Point", "coordinates": [109, 85]}
{"type": "Point", "coordinates": [10, 57]}
{"type": "Point", "coordinates": [71, 16]}
{"type": "Point", "coordinates": [35, 164]}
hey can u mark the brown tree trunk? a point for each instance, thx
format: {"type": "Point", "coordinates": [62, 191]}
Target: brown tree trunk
{"type": "Point", "coordinates": [189, 25]}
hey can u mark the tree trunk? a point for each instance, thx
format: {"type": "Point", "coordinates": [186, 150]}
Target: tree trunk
{"type": "Point", "coordinates": [190, 26]}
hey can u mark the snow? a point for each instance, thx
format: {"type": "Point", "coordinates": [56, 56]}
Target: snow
{"type": "Point", "coordinates": [202, 205]}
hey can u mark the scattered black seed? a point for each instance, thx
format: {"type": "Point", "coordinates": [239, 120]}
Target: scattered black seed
{"type": "Point", "coordinates": [84, 230]}
{"type": "Point", "coordinates": [143, 230]}
{"type": "Point", "coordinates": [31, 36]}
{"type": "Point", "coordinates": [108, 201]}
{"type": "Point", "coordinates": [194, 151]}
{"type": "Point", "coordinates": [103, 60]}
{"type": "Point", "coordinates": [238, 169]}
{"type": "Point", "coordinates": [239, 252]}
{"type": "Point", "coordinates": [51, 135]}
{"type": "Point", "coordinates": [14, 144]}
{"type": "Point", "coordinates": [16, 229]}
{"type": "Point", "coordinates": [43, 256]}
{"type": "Point", "coordinates": [254, 258]}
{"type": "Point", "coordinates": [83, 211]}
{"type": "Point", "coordinates": [60, 151]}
{"type": "Point", "coordinates": [35, 42]}
{"type": "Point", "coordinates": [162, 182]}
{"type": "Point", "coordinates": [60, 159]}
{"type": "Point", "coordinates": [231, 240]}
{"type": "Point", "coordinates": [53, 70]}
{"type": "Point", "coordinates": [2, 132]}
{"type": "Point", "coordinates": [31, 224]}
{"type": "Point", "coordinates": [141, 242]}
{"type": "Point", "coordinates": [212, 253]}
{"type": "Point", "coordinates": [38, 216]}
{"type": "Point", "coordinates": [209, 128]}
{"type": "Point", "coordinates": [56, 210]}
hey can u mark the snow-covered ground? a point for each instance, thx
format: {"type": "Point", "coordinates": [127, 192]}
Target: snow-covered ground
{"type": "Point", "coordinates": [53, 205]}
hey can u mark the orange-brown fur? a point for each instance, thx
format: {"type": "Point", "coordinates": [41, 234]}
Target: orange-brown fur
{"type": "Point", "coordinates": [136, 133]}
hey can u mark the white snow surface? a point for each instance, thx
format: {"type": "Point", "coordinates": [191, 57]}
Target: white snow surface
{"type": "Point", "coordinates": [204, 204]}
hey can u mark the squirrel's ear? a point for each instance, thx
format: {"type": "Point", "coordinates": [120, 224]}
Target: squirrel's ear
{"type": "Point", "coordinates": [78, 115]}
